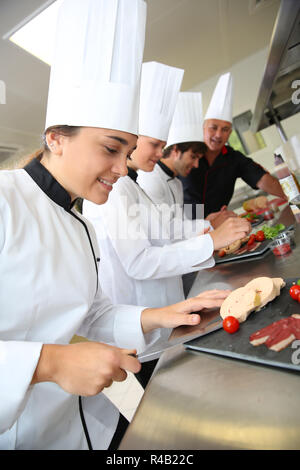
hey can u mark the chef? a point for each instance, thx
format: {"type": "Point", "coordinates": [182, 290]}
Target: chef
{"type": "Point", "coordinates": [50, 389]}
{"type": "Point", "coordinates": [212, 183]}
{"type": "Point", "coordinates": [184, 148]}
{"type": "Point", "coordinates": [140, 262]}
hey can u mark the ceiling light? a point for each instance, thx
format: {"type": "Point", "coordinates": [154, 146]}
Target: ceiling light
{"type": "Point", "coordinates": [36, 33]}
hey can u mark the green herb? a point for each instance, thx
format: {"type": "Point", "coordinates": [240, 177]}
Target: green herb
{"type": "Point", "coordinates": [272, 232]}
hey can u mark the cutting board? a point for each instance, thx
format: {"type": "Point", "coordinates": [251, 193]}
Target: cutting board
{"type": "Point", "coordinates": [237, 345]}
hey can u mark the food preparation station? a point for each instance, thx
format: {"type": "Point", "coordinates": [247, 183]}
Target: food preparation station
{"type": "Point", "coordinates": [198, 400]}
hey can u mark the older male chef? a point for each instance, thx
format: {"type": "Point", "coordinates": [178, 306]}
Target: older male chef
{"type": "Point", "coordinates": [212, 183]}
{"type": "Point", "coordinates": [183, 150]}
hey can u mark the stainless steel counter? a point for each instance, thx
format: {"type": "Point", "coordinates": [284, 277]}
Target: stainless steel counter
{"type": "Point", "coordinates": [201, 401]}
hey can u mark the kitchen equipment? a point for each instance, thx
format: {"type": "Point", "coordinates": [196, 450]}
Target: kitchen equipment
{"type": "Point", "coordinates": [210, 321]}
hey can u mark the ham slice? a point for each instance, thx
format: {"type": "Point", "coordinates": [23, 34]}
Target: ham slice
{"type": "Point", "coordinates": [279, 334]}
{"type": "Point", "coordinates": [252, 297]}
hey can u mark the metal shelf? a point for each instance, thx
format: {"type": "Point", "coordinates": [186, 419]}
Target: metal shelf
{"type": "Point", "coordinates": [274, 101]}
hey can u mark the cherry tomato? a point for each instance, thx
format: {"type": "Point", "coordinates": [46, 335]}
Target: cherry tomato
{"type": "Point", "coordinates": [231, 324]}
{"type": "Point", "coordinates": [251, 239]}
{"type": "Point", "coordinates": [259, 236]}
{"type": "Point", "coordinates": [222, 253]}
{"type": "Point", "coordinates": [295, 291]}
{"type": "Point", "coordinates": [298, 298]}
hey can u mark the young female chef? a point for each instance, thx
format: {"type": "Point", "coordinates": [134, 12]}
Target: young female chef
{"type": "Point", "coordinates": [142, 264]}
{"type": "Point", "coordinates": [49, 254]}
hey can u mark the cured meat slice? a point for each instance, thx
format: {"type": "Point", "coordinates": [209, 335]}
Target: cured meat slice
{"type": "Point", "coordinates": [279, 334]}
{"type": "Point", "coordinates": [254, 246]}
{"type": "Point", "coordinates": [262, 335]}
{"type": "Point", "coordinates": [241, 250]}
{"type": "Point", "coordinates": [265, 287]}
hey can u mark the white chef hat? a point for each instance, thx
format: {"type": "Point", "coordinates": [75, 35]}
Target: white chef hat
{"type": "Point", "coordinates": [95, 75]}
{"type": "Point", "coordinates": [160, 85]}
{"type": "Point", "coordinates": [187, 123]}
{"type": "Point", "coordinates": [220, 106]}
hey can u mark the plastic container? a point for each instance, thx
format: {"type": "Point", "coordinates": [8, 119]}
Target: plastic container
{"type": "Point", "coordinates": [281, 245]}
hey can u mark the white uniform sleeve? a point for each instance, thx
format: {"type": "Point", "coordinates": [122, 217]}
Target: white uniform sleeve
{"type": "Point", "coordinates": [119, 325]}
{"type": "Point", "coordinates": [18, 361]}
{"type": "Point", "coordinates": [159, 191]}
{"type": "Point", "coordinates": [140, 258]}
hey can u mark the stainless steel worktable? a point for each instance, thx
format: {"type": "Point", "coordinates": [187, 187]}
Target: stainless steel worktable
{"type": "Point", "coordinates": [201, 401]}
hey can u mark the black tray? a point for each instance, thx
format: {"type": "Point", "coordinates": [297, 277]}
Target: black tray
{"type": "Point", "coordinates": [237, 345]}
{"type": "Point", "coordinates": [257, 221]}
{"type": "Point", "coordinates": [260, 250]}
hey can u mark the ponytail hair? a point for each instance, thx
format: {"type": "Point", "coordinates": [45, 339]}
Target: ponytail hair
{"type": "Point", "coordinates": [67, 131]}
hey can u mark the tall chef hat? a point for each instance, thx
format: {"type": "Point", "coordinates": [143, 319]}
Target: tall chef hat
{"type": "Point", "coordinates": [220, 106]}
{"type": "Point", "coordinates": [95, 76]}
{"type": "Point", "coordinates": [187, 123]}
{"type": "Point", "coordinates": [160, 85]}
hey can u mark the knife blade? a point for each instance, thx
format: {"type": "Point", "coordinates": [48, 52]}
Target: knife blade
{"type": "Point", "coordinates": [198, 331]}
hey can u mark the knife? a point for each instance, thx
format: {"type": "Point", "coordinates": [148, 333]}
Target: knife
{"type": "Point", "coordinates": [181, 336]}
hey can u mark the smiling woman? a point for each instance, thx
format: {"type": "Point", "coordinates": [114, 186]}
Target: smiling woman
{"type": "Point", "coordinates": [89, 161]}
{"type": "Point", "coordinates": [49, 252]}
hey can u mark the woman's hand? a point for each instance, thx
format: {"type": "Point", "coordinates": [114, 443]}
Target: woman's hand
{"type": "Point", "coordinates": [233, 229]}
{"type": "Point", "coordinates": [182, 313]}
{"type": "Point", "coordinates": [84, 368]}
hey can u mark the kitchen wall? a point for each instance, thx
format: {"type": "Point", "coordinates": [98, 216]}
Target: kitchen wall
{"type": "Point", "coordinates": [248, 75]}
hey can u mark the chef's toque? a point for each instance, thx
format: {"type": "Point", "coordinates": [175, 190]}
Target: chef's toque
{"type": "Point", "coordinates": [187, 123]}
{"type": "Point", "coordinates": [160, 86]}
{"type": "Point", "coordinates": [95, 75]}
{"type": "Point", "coordinates": [220, 106]}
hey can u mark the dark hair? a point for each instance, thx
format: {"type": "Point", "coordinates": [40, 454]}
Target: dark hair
{"type": "Point", "coordinates": [196, 147]}
{"type": "Point", "coordinates": [67, 131]}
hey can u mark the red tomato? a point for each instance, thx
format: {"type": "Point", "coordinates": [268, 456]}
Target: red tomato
{"type": "Point", "coordinates": [295, 291]}
{"type": "Point", "coordinates": [298, 298]}
{"type": "Point", "coordinates": [222, 253]}
{"type": "Point", "coordinates": [251, 239]}
{"type": "Point", "coordinates": [259, 236]}
{"type": "Point", "coordinates": [231, 324]}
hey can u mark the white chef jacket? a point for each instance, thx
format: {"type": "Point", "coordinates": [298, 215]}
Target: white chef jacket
{"type": "Point", "coordinates": [49, 292]}
{"type": "Point", "coordinates": [161, 185]}
{"type": "Point", "coordinates": [140, 261]}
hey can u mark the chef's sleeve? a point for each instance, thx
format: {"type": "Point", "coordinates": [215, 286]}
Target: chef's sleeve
{"type": "Point", "coordinates": [118, 325]}
{"type": "Point", "coordinates": [250, 171]}
{"type": "Point", "coordinates": [18, 361]}
{"type": "Point", "coordinates": [143, 258]}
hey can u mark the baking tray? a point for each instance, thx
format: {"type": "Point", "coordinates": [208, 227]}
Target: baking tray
{"type": "Point", "coordinates": [260, 250]}
{"type": "Point", "coordinates": [259, 220]}
{"type": "Point", "coordinates": [237, 345]}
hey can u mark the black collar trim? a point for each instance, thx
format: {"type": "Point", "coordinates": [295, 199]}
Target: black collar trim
{"type": "Point", "coordinates": [166, 169]}
{"type": "Point", "coordinates": [48, 184]}
{"type": "Point", "coordinates": [132, 174]}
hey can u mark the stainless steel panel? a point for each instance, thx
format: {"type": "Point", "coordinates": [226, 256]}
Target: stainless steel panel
{"type": "Point", "coordinates": [201, 401]}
